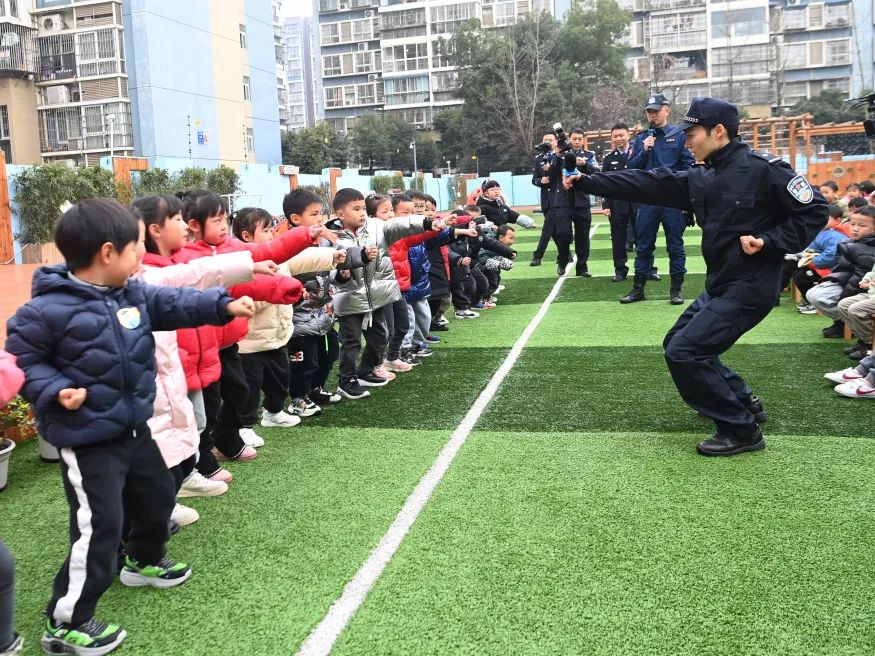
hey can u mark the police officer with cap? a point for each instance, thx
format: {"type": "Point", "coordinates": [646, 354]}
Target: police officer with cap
{"type": "Point", "coordinates": [655, 147]}
{"type": "Point", "coordinates": [752, 208]}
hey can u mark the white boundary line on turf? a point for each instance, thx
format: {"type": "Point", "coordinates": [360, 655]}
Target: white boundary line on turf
{"type": "Point", "coordinates": [321, 640]}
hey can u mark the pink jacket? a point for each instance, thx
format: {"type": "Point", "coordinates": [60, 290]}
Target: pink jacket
{"type": "Point", "coordinates": [172, 424]}
{"type": "Point", "coordinates": [11, 377]}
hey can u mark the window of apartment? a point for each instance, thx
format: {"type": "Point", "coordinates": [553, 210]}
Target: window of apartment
{"type": "Point", "coordinates": [367, 62]}
{"type": "Point", "coordinates": [243, 43]}
{"type": "Point", "coordinates": [731, 62]}
{"type": "Point", "coordinates": [445, 85]}
{"type": "Point", "coordinates": [96, 53]}
{"type": "Point", "coordinates": [841, 84]}
{"type": "Point", "coordinates": [504, 14]}
{"type": "Point", "coordinates": [794, 91]}
{"type": "Point", "coordinates": [247, 91]}
{"type": "Point", "coordinates": [837, 15]}
{"type": "Point", "coordinates": [445, 19]}
{"type": "Point", "coordinates": [795, 55]}
{"type": "Point", "coordinates": [410, 57]}
{"type": "Point", "coordinates": [738, 23]}
{"type": "Point", "coordinates": [402, 24]}
{"type": "Point", "coordinates": [795, 19]}
{"type": "Point", "coordinates": [838, 52]}
{"type": "Point", "coordinates": [250, 140]}
{"type": "Point", "coordinates": [5, 138]}
{"type": "Point", "coordinates": [442, 53]}
{"type": "Point", "coordinates": [408, 90]}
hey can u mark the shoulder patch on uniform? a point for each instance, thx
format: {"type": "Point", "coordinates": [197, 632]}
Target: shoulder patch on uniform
{"type": "Point", "coordinates": [800, 189]}
{"type": "Point", "coordinates": [771, 159]}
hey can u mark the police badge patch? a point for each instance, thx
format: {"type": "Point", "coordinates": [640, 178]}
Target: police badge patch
{"type": "Point", "coordinates": [800, 189]}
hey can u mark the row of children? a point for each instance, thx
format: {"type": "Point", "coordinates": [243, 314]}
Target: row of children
{"type": "Point", "coordinates": [835, 275]}
{"type": "Point", "coordinates": [147, 354]}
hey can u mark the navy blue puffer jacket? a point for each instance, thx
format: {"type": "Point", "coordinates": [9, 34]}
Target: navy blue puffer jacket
{"type": "Point", "coordinates": [72, 335]}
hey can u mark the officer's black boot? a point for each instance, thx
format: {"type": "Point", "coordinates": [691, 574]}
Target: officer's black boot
{"type": "Point", "coordinates": [653, 275]}
{"type": "Point", "coordinates": [675, 297]}
{"type": "Point", "coordinates": [755, 407]}
{"type": "Point", "coordinates": [637, 293]}
{"type": "Point", "coordinates": [730, 445]}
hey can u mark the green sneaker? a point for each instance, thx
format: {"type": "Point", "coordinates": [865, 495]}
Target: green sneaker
{"type": "Point", "coordinates": [91, 638]}
{"type": "Point", "coordinates": [166, 574]}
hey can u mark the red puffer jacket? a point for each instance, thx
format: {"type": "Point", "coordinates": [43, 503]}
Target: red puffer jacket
{"type": "Point", "coordinates": [199, 347]}
{"type": "Point", "coordinates": [400, 261]}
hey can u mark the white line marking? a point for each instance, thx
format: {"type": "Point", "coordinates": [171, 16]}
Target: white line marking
{"type": "Point", "coordinates": [321, 640]}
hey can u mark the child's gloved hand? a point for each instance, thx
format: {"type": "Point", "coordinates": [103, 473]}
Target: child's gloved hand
{"type": "Point", "coordinates": [72, 399]}
{"type": "Point", "coordinates": [266, 268]}
{"type": "Point", "coordinates": [242, 307]}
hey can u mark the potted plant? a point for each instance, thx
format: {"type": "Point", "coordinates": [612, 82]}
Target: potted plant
{"type": "Point", "coordinates": [16, 421]}
{"type": "Point", "coordinates": [6, 447]}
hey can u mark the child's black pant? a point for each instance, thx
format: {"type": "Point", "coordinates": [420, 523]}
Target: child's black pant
{"type": "Point", "coordinates": [376, 337]}
{"type": "Point", "coordinates": [397, 320]}
{"type": "Point", "coordinates": [266, 371]}
{"type": "Point", "coordinates": [303, 364]}
{"type": "Point", "coordinates": [222, 402]}
{"type": "Point", "coordinates": [493, 280]}
{"type": "Point", "coordinates": [104, 482]}
{"type": "Point", "coordinates": [463, 291]}
{"type": "Point", "coordinates": [805, 279]}
{"type": "Point", "coordinates": [329, 351]}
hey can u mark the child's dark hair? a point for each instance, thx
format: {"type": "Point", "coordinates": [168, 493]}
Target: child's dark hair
{"type": "Point", "coordinates": [831, 184]}
{"type": "Point", "coordinates": [373, 202]}
{"type": "Point", "coordinates": [344, 197]}
{"type": "Point", "coordinates": [835, 212]}
{"type": "Point", "coordinates": [489, 184]}
{"type": "Point", "coordinates": [155, 210]}
{"type": "Point", "coordinates": [88, 225]}
{"type": "Point", "coordinates": [415, 194]}
{"type": "Point", "coordinates": [460, 213]}
{"type": "Point", "coordinates": [298, 201]}
{"type": "Point", "coordinates": [397, 199]}
{"type": "Point", "coordinates": [473, 208]}
{"type": "Point", "coordinates": [430, 199]}
{"type": "Point", "coordinates": [504, 229]}
{"type": "Point", "coordinates": [200, 205]}
{"type": "Point", "coordinates": [867, 211]}
{"type": "Point", "coordinates": [866, 186]}
{"type": "Point", "coordinates": [856, 203]}
{"type": "Point", "coordinates": [250, 219]}
{"type": "Point", "coordinates": [853, 185]}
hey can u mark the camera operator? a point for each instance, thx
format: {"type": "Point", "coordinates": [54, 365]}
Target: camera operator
{"type": "Point", "coordinates": [581, 209]}
{"type": "Point", "coordinates": [621, 213]}
{"type": "Point", "coordinates": [544, 162]}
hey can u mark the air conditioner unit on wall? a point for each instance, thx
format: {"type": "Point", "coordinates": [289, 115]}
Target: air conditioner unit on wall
{"type": "Point", "coordinates": [52, 23]}
{"type": "Point", "coordinates": [369, 13]}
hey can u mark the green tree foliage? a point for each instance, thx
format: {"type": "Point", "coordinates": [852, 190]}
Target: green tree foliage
{"type": "Point", "coordinates": [315, 148]}
{"type": "Point", "coordinates": [829, 107]}
{"type": "Point", "coordinates": [517, 81]}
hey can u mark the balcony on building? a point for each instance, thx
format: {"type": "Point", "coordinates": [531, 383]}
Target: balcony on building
{"type": "Point", "coordinates": [680, 66]}
{"type": "Point", "coordinates": [660, 5]}
{"type": "Point", "coordinates": [326, 6]}
{"type": "Point", "coordinates": [17, 50]}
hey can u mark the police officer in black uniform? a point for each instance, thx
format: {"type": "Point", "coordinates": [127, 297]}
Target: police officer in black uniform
{"type": "Point", "coordinates": [580, 206]}
{"type": "Point", "coordinates": [541, 179]}
{"type": "Point", "coordinates": [752, 208]}
{"type": "Point", "coordinates": [621, 213]}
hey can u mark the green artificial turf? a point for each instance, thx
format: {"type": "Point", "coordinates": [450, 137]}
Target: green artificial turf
{"type": "Point", "coordinates": [611, 543]}
{"type": "Point", "coordinates": [577, 518]}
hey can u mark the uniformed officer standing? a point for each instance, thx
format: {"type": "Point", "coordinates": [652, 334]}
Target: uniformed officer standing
{"type": "Point", "coordinates": [581, 208]}
{"type": "Point", "coordinates": [657, 147]}
{"type": "Point", "coordinates": [753, 208]}
{"type": "Point", "coordinates": [541, 179]}
{"type": "Point", "coordinates": [621, 213]}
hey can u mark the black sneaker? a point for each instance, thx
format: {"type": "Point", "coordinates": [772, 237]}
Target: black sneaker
{"type": "Point", "coordinates": [408, 357]}
{"type": "Point", "coordinates": [835, 331]}
{"type": "Point", "coordinates": [423, 352]}
{"type": "Point", "coordinates": [860, 350]}
{"type": "Point", "coordinates": [352, 390]}
{"type": "Point", "coordinates": [440, 327]}
{"type": "Point", "coordinates": [91, 638]}
{"type": "Point", "coordinates": [755, 407]}
{"type": "Point", "coordinates": [372, 380]}
{"type": "Point", "coordinates": [320, 396]}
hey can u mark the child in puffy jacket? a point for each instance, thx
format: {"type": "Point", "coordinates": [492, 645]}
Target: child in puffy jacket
{"type": "Point", "coordinates": [263, 352]}
{"type": "Point", "coordinates": [360, 294]}
{"type": "Point", "coordinates": [314, 346]}
{"type": "Point", "coordinates": [207, 219]}
{"type": "Point", "coordinates": [174, 425]}
{"type": "Point", "coordinates": [85, 344]}
{"type": "Point", "coordinates": [809, 267]}
{"type": "Point", "coordinates": [496, 255]}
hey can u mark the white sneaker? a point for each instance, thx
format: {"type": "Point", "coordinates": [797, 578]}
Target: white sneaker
{"type": "Point", "coordinates": [398, 366]}
{"type": "Point", "coordinates": [382, 372]}
{"type": "Point", "coordinates": [844, 376]}
{"type": "Point", "coordinates": [183, 515]}
{"type": "Point", "coordinates": [198, 485]}
{"type": "Point", "coordinates": [466, 314]}
{"type": "Point", "coordinates": [500, 288]}
{"type": "Point", "coordinates": [303, 408]}
{"type": "Point", "coordinates": [856, 390]}
{"type": "Point", "coordinates": [250, 438]}
{"type": "Point", "coordinates": [279, 419]}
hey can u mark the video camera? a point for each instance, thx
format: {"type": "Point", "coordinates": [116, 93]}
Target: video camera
{"type": "Point", "coordinates": [869, 123]}
{"type": "Point", "coordinates": [543, 148]}
{"type": "Point", "coordinates": [562, 144]}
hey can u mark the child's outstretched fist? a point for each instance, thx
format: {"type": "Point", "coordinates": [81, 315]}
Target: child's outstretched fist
{"type": "Point", "coordinates": [242, 307]}
{"type": "Point", "coordinates": [267, 268]}
{"type": "Point", "coordinates": [339, 257]}
{"type": "Point", "coordinates": [72, 399]}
